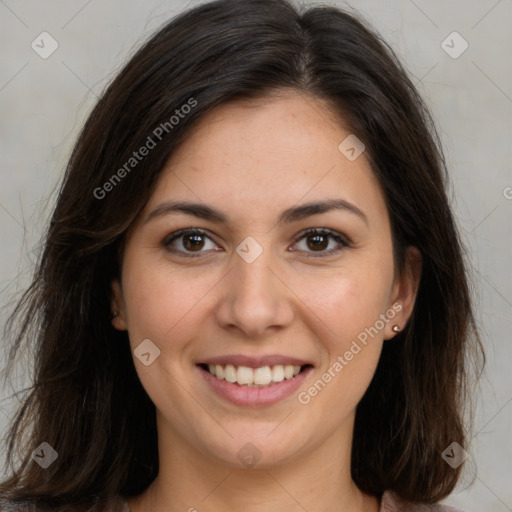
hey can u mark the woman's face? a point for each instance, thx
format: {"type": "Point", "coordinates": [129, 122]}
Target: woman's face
{"type": "Point", "coordinates": [252, 293]}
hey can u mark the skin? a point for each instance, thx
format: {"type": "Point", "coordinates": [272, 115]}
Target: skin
{"type": "Point", "coordinates": [252, 160]}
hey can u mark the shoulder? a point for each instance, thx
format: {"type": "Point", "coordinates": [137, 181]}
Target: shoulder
{"type": "Point", "coordinates": [115, 504]}
{"type": "Point", "coordinates": [392, 503]}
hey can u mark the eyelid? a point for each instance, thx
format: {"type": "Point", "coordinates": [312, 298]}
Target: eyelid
{"type": "Point", "coordinates": [342, 240]}
{"type": "Point", "coordinates": [176, 235]}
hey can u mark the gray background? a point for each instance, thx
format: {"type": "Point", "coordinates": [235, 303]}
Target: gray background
{"type": "Point", "coordinates": [43, 103]}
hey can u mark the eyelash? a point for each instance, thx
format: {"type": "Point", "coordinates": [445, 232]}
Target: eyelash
{"type": "Point", "coordinates": [344, 243]}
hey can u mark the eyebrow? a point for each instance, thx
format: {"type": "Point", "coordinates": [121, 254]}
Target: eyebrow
{"type": "Point", "coordinates": [294, 214]}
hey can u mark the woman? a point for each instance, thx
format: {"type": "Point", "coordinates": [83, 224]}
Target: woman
{"type": "Point", "coordinates": [252, 293]}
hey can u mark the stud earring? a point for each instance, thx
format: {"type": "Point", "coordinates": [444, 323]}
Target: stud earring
{"type": "Point", "coordinates": [114, 314]}
{"type": "Point", "coordinates": [396, 328]}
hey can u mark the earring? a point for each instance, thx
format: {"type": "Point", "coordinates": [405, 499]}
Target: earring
{"type": "Point", "coordinates": [396, 328]}
{"type": "Point", "coordinates": [114, 314]}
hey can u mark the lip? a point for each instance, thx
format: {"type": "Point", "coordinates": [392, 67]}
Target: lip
{"type": "Point", "coordinates": [255, 362]}
{"type": "Point", "coordinates": [244, 396]}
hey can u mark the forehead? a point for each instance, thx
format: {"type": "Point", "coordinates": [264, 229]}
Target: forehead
{"type": "Point", "coordinates": [279, 129]}
{"type": "Point", "coordinates": [257, 156]}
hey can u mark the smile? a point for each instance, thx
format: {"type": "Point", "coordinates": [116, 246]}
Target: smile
{"type": "Point", "coordinates": [253, 386]}
{"type": "Point", "coordinates": [263, 376]}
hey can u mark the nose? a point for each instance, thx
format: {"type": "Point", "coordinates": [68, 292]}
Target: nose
{"type": "Point", "coordinates": [255, 298]}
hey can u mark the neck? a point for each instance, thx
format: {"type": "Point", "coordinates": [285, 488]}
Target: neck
{"type": "Point", "coordinates": [317, 480]}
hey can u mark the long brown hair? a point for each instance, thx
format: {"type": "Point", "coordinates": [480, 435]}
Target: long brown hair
{"type": "Point", "coordinates": [86, 400]}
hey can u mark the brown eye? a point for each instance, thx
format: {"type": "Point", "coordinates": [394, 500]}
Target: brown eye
{"type": "Point", "coordinates": [318, 240]}
{"type": "Point", "coordinates": [193, 242]}
{"type": "Point", "coordinates": [188, 241]}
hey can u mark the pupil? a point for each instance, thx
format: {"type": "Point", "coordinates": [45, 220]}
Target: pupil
{"type": "Point", "coordinates": [317, 243]}
{"type": "Point", "coordinates": [197, 243]}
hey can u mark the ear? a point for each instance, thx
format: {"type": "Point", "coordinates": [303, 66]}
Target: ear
{"type": "Point", "coordinates": [405, 290]}
{"type": "Point", "coordinates": [117, 306]}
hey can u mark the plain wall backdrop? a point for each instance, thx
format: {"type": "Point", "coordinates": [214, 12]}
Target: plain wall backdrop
{"type": "Point", "coordinates": [44, 102]}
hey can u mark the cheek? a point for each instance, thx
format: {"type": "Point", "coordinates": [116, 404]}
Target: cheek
{"type": "Point", "coordinates": [351, 344]}
{"type": "Point", "coordinates": [348, 308]}
{"type": "Point", "coordinates": [351, 300]}
{"type": "Point", "coordinates": [161, 302]}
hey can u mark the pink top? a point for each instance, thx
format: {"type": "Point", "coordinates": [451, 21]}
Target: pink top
{"type": "Point", "coordinates": [390, 503]}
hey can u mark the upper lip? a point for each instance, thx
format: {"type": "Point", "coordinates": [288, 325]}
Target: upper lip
{"type": "Point", "coordinates": [255, 362]}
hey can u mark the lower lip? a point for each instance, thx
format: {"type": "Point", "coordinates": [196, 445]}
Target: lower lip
{"type": "Point", "coordinates": [254, 396]}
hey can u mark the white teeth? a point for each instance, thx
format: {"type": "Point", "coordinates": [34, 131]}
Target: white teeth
{"type": "Point", "coordinates": [278, 373]}
{"type": "Point", "coordinates": [257, 377]}
{"type": "Point", "coordinates": [262, 376]}
{"type": "Point", "coordinates": [230, 373]}
{"type": "Point", "coordinates": [219, 371]}
{"type": "Point", "coordinates": [288, 371]}
{"type": "Point", "coordinates": [244, 375]}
